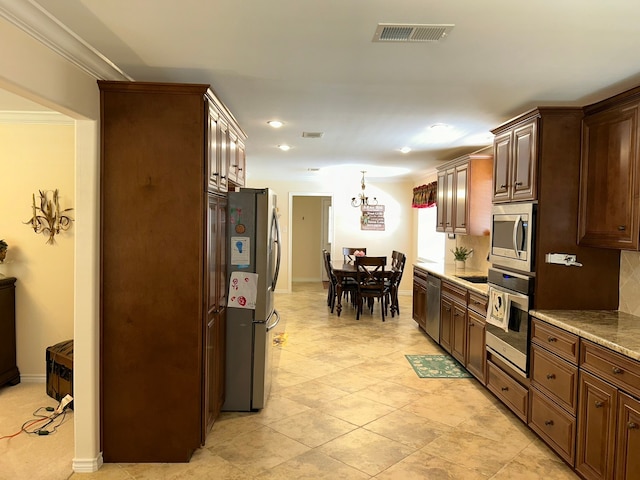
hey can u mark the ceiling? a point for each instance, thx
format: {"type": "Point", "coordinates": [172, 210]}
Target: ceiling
{"type": "Point", "coordinates": [314, 66]}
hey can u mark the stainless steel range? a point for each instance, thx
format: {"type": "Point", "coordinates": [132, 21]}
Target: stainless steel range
{"type": "Point", "coordinates": [510, 299]}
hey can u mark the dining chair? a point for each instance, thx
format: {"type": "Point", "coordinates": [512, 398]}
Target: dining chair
{"type": "Point", "coordinates": [350, 253]}
{"type": "Point", "coordinates": [370, 275]}
{"type": "Point", "coordinates": [349, 285]}
{"type": "Point", "coordinates": [398, 260]}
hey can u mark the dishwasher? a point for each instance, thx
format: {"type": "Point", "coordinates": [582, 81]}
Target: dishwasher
{"type": "Point", "coordinates": [433, 307]}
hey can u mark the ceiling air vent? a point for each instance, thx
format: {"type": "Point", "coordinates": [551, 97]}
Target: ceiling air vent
{"type": "Point", "coordinates": [400, 32]}
{"type": "Point", "coordinates": [312, 134]}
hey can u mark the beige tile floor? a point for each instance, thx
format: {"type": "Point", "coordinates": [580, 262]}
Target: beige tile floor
{"type": "Point", "coordinates": [346, 404]}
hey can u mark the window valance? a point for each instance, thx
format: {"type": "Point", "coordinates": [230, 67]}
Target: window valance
{"type": "Point", "coordinates": [424, 196]}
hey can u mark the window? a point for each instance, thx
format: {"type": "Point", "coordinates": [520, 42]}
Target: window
{"type": "Point", "coordinates": [430, 242]}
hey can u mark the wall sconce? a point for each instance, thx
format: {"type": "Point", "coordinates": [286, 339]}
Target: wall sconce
{"type": "Point", "coordinates": [47, 218]}
{"type": "Point", "coordinates": [362, 200]}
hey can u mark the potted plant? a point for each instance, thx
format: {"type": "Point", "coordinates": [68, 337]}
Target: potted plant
{"type": "Point", "coordinates": [3, 250]}
{"type": "Point", "coordinates": [460, 255]}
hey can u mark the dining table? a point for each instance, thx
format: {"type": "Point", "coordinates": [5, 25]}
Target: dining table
{"type": "Point", "coordinates": [343, 271]}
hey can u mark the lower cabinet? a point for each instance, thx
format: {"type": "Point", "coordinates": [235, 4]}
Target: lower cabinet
{"type": "Point", "coordinates": [609, 414]}
{"type": "Point", "coordinates": [514, 395]}
{"type": "Point", "coordinates": [453, 320]}
{"type": "Point", "coordinates": [476, 353]}
{"type": "Point", "coordinates": [628, 439]}
{"type": "Point", "coordinates": [419, 313]}
{"type": "Point", "coordinates": [596, 429]}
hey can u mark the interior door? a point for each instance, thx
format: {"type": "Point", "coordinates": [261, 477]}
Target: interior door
{"type": "Point", "coordinates": [327, 233]}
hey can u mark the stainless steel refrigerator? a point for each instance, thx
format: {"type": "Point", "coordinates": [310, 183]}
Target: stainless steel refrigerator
{"type": "Point", "coordinates": [254, 251]}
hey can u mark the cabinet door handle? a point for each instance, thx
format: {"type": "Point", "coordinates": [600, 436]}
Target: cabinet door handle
{"type": "Point", "coordinates": [548, 423]}
{"type": "Point", "coordinates": [599, 404]}
{"type": "Point", "coordinates": [503, 186]}
{"type": "Point", "coordinates": [617, 370]}
{"type": "Point", "coordinates": [622, 228]}
{"type": "Point", "coordinates": [472, 324]}
{"type": "Point", "coordinates": [632, 426]}
{"type": "Point", "coordinates": [505, 389]}
{"type": "Point", "coordinates": [518, 184]}
{"type": "Point", "coordinates": [552, 339]}
{"type": "Point", "coordinates": [551, 376]}
{"type": "Point", "coordinates": [447, 309]}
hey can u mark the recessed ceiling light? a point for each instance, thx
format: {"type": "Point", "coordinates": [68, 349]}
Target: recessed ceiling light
{"type": "Point", "coordinates": [405, 149]}
{"type": "Point", "coordinates": [284, 148]}
{"type": "Point", "coordinates": [275, 123]}
{"type": "Point", "coordinates": [313, 169]}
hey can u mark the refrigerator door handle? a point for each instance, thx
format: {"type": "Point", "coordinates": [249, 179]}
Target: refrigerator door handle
{"type": "Point", "coordinates": [273, 325]}
{"type": "Point", "coordinates": [277, 241]}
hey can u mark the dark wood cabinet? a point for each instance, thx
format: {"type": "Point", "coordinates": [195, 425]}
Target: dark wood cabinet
{"type": "Point", "coordinates": [476, 349]}
{"type": "Point", "coordinates": [9, 373]}
{"type": "Point", "coordinates": [596, 428]}
{"type": "Point", "coordinates": [609, 213]}
{"type": "Point", "coordinates": [215, 351]}
{"type": "Point", "coordinates": [464, 195]}
{"type": "Point", "coordinates": [453, 317]}
{"type": "Point", "coordinates": [446, 320]}
{"type": "Point", "coordinates": [163, 268]}
{"type": "Point", "coordinates": [420, 298]}
{"type": "Point", "coordinates": [628, 439]}
{"type": "Point", "coordinates": [515, 162]}
{"type": "Point", "coordinates": [554, 387]}
{"type": "Point", "coordinates": [459, 332]}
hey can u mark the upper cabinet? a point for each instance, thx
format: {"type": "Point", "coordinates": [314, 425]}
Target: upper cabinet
{"type": "Point", "coordinates": [464, 195]}
{"type": "Point", "coordinates": [515, 159]}
{"type": "Point", "coordinates": [226, 149]}
{"type": "Point", "coordinates": [609, 183]}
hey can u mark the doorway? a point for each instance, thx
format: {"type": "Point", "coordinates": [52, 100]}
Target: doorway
{"type": "Point", "coordinates": [311, 231]}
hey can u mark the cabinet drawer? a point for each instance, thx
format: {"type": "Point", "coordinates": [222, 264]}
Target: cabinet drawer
{"type": "Point", "coordinates": [621, 371]}
{"type": "Point", "coordinates": [557, 378]}
{"type": "Point", "coordinates": [478, 303]}
{"type": "Point", "coordinates": [554, 425]}
{"type": "Point", "coordinates": [556, 340]}
{"type": "Point", "coordinates": [510, 392]}
{"type": "Point", "coordinates": [454, 292]}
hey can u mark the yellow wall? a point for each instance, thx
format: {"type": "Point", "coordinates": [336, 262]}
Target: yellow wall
{"type": "Point", "coordinates": [306, 246]}
{"type": "Point", "coordinates": [399, 218]}
{"type": "Point", "coordinates": [33, 158]}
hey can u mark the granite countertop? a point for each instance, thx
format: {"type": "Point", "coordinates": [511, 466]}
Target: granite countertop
{"type": "Point", "coordinates": [448, 272]}
{"type": "Point", "coordinates": [613, 329]}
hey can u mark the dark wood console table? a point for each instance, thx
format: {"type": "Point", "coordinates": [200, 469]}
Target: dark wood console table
{"type": "Point", "coordinates": [9, 373]}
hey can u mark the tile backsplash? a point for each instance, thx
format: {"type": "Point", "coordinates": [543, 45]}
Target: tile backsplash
{"type": "Point", "coordinates": [480, 245]}
{"type": "Point", "coordinates": [630, 282]}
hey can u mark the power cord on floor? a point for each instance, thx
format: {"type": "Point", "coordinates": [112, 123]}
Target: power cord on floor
{"type": "Point", "coordinates": [48, 419]}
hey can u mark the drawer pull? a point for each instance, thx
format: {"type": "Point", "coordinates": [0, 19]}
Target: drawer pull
{"type": "Point", "coordinates": [599, 404]}
{"type": "Point", "coordinates": [622, 228]}
{"type": "Point", "coordinates": [505, 389]}
{"type": "Point", "coordinates": [632, 426]}
{"type": "Point", "coordinates": [551, 376]}
{"type": "Point", "coordinates": [548, 423]}
{"type": "Point", "coordinates": [552, 339]}
{"type": "Point", "coordinates": [617, 370]}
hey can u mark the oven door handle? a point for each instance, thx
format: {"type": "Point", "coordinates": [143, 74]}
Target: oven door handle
{"type": "Point", "coordinates": [516, 225]}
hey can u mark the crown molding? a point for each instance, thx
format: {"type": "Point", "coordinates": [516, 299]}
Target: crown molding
{"type": "Point", "coordinates": [44, 27]}
{"type": "Point", "coordinates": [35, 118]}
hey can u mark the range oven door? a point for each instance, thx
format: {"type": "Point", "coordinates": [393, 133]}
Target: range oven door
{"type": "Point", "coordinates": [512, 229]}
{"type": "Point", "coordinates": [512, 346]}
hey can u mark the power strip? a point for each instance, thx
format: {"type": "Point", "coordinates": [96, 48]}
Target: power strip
{"type": "Point", "coordinates": [66, 400]}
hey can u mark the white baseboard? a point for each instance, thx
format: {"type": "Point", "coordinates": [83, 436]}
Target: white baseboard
{"type": "Point", "coordinates": [305, 279]}
{"type": "Point", "coordinates": [88, 465]}
{"type": "Point", "coordinates": [33, 378]}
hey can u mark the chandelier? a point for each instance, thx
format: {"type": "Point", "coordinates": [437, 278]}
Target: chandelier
{"type": "Point", "coordinates": [362, 200]}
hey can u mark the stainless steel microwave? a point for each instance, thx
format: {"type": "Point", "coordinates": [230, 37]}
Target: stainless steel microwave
{"type": "Point", "coordinates": [512, 235]}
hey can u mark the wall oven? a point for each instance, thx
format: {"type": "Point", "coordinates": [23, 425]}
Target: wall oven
{"type": "Point", "coordinates": [512, 234]}
{"type": "Point", "coordinates": [508, 321]}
